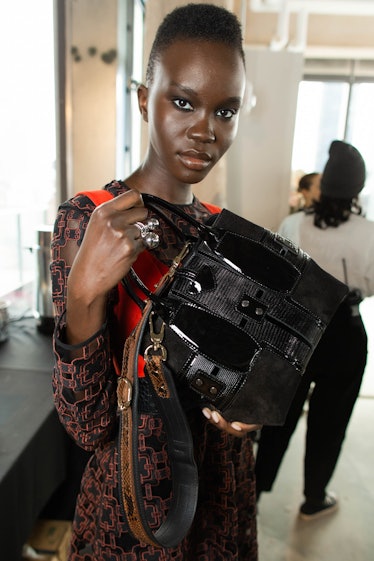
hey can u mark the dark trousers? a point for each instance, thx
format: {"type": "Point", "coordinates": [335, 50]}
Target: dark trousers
{"type": "Point", "coordinates": [336, 368]}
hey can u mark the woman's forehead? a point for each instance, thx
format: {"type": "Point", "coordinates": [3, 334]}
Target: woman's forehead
{"type": "Point", "coordinates": [203, 62]}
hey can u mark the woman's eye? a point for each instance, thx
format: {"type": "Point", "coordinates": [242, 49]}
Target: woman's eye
{"type": "Point", "coordinates": [183, 104]}
{"type": "Point", "coordinates": [226, 113]}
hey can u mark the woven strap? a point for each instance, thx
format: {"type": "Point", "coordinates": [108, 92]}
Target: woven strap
{"type": "Point", "coordinates": [180, 448]}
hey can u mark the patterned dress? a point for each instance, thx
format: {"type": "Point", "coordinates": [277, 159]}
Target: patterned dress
{"type": "Point", "coordinates": [84, 382]}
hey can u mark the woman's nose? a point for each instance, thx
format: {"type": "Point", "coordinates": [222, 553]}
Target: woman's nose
{"type": "Point", "coordinates": [202, 130]}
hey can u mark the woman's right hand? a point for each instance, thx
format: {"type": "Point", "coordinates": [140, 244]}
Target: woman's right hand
{"type": "Point", "coordinates": [236, 428]}
{"type": "Point", "coordinates": [110, 246]}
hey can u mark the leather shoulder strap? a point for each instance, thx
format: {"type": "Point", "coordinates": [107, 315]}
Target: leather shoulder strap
{"type": "Point", "coordinates": [184, 470]}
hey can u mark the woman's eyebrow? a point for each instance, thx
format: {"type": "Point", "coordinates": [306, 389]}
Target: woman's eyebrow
{"type": "Point", "coordinates": [236, 100]}
{"type": "Point", "coordinates": [185, 89]}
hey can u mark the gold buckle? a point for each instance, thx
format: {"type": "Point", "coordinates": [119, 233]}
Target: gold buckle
{"type": "Point", "coordinates": [124, 393]}
{"type": "Point", "coordinates": [156, 338]}
{"type": "Point", "coordinates": [177, 260]}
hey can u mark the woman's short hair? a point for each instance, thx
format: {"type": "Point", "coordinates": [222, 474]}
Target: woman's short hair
{"type": "Point", "coordinates": [306, 181]}
{"type": "Point", "coordinates": [200, 22]}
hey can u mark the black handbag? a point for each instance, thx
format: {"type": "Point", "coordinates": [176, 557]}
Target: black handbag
{"type": "Point", "coordinates": [241, 311]}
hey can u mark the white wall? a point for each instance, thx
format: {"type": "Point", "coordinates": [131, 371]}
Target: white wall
{"type": "Point", "coordinates": [259, 162]}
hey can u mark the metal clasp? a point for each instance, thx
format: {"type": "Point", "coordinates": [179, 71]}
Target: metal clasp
{"type": "Point", "coordinates": [177, 260]}
{"type": "Point", "coordinates": [156, 338]}
{"type": "Point", "coordinates": [124, 393]}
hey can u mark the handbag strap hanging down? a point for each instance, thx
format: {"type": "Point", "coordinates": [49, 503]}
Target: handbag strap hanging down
{"type": "Point", "coordinates": [184, 474]}
{"type": "Point", "coordinates": [179, 440]}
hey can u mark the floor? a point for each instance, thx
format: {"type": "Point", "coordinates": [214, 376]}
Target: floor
{"type": "Point", "coordinates": [348, 534]}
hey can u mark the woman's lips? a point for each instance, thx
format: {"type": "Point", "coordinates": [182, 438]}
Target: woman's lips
{"type": "Point", "coordinates": [197, 161]}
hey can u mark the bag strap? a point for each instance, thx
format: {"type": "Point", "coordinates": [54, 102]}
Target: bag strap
{"type": "Point", "coordinates": [204, 231]}
{"type": "Point", "coordinates": [155, 203]}
{"type": "Point", "coordinates": [180, 446]}
{"type": "Point", "coordinates": [179, 440]}
{"type": "Point", "coordinates": [100, 196]}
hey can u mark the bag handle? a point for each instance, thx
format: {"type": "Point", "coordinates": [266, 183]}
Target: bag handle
{"type": "Point", "coordinates": [205, 231]}
{"type": "Point", "coordinates": [180, 447]}
{"type": "Point", "coordinates": [154, 203]}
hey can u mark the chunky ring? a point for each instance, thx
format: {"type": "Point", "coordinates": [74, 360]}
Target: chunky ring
{"type": "Point", "coordinates": [142, 228]}
{"type": "Point", "coordinates": [149, 237]}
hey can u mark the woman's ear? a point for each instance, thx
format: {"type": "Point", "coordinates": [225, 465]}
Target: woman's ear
{"type": "Point", "coordinates": [143, 101]}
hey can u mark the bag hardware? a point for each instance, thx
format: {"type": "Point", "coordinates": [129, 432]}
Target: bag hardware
{"type": "Point", "coordinates": [156, 339]}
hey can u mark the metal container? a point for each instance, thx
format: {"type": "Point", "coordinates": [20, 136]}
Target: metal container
{"type": "Point", "coordinates": [43, 309]}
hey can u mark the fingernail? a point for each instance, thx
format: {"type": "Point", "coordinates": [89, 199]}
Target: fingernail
{"type": "Point", "coordinates": [236, 426]}
{"type": "Point", "coordinates": [215, 417]}
{"type": "Point", "coordinates": [206, 413]}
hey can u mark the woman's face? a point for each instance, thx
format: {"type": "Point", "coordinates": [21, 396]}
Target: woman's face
{"type": "Point", "coordinates": [192, 109]}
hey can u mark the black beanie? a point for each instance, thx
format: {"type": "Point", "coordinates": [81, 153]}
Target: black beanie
{"type": "Point", "coordinates": [344, 174]}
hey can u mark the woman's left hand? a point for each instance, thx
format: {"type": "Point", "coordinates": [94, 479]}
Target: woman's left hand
{"type": "Point", "coordinates": [236, 428]}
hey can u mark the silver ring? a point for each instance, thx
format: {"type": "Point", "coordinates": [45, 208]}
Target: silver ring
{"type": "Point", "coordinates": [149, 238]}
{"type": "Point", "coordinates": [142, 228]}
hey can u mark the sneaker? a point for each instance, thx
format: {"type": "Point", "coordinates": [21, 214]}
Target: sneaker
{"type": "Point", "coordinates": [311, 510]}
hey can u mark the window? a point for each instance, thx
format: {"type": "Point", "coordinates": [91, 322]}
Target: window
{"type": "Point", "coordinates": [27, 134]}
{"type": "Point", "coordinates": [129, 76]}
{"type": "Point", "coordinates": [332, 106]}
{"type": "Point", "coordinates": [28, 166]}
{"type": "Point", "coordinates": [360, 134]}
{"type": "Point", "coordinates": [321, 108]}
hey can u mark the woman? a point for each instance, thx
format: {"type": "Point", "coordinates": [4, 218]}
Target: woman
{"type": "Point", "coordinates": [191, 101]}
{"type": "Point", "coordinates": [309, 188]}
{"type": "Point", "coordinates": [342, 242]}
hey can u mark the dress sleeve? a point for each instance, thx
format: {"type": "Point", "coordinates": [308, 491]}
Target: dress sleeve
{"type": "Point", "coordinates": [84, 379]}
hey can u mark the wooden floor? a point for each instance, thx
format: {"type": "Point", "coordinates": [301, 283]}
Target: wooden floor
{"type": "Point", "coordinates": [348, 534]}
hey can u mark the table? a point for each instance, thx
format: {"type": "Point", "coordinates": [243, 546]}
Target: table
{"type": "Point", "coordinates": [34, 447]}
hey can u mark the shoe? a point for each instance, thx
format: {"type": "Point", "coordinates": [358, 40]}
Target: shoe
{"type": "Point", "coordinates": [312, 510]}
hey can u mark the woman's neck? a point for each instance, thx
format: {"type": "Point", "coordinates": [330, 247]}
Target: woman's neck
{"type": "Point", "coordinates": [146, 182]}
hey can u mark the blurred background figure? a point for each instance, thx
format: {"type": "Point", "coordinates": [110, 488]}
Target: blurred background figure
{"type": "Point", "coordinates": [305, 190]}
{"type": "Point", "coordinates": [309, 188]}
{"type": "Point", "coordinates": [340, 240]}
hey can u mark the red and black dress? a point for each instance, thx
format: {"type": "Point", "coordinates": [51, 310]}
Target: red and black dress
{"type": "Point", "coordinates": [224, 527]}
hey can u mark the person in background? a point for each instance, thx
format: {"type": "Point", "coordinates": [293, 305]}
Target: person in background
{"type": "Point", "coordinates": [341, 241]}
{"type": "Point", "coordinates": [309, 188]}
{"type": "Point", "coordinates": [194, 90]}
